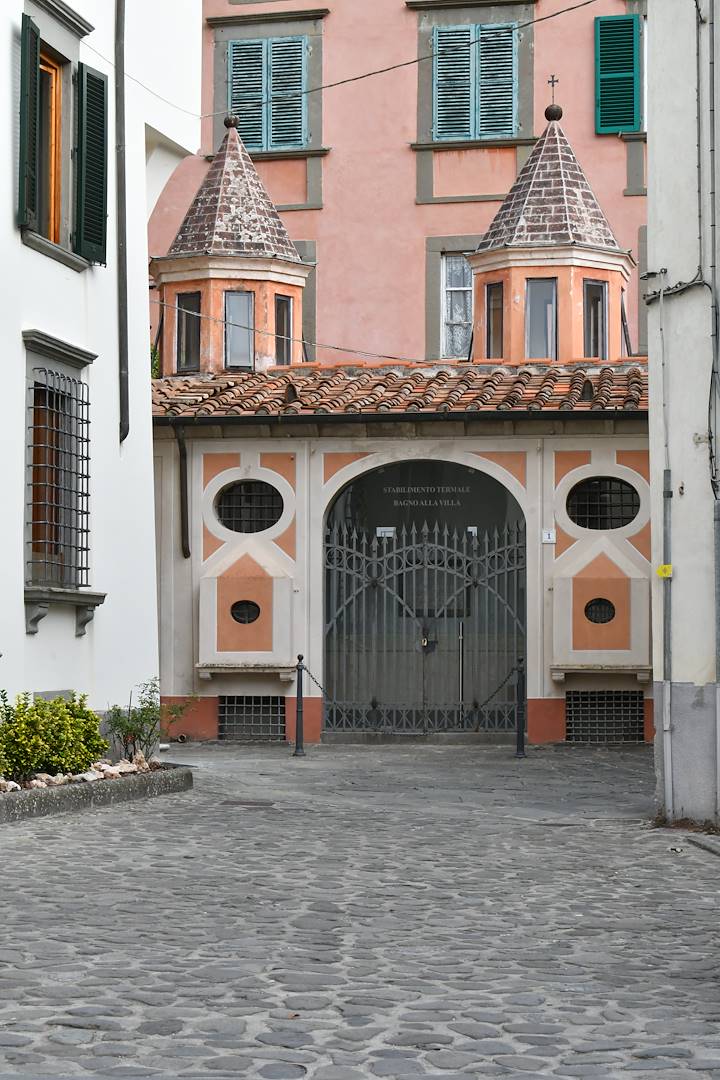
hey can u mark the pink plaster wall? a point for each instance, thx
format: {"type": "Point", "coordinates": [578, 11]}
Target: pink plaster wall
{"type": "Point", "coordinates": [371, 233]}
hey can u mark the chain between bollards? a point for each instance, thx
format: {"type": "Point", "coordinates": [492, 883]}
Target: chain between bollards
{"type": "Point", "coordinates": [521, 710]}
{"type": "Point", "coordinates": [299, 731]}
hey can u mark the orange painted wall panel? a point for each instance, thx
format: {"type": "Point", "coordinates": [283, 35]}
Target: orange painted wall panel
{"type": "Point", "coordinates": [312, 719]}
{"type": "Point", "coordinates": [639, 460]}
{"type": "Point", "coordinates": [245, 580]}
{"type": "Point", "coordinates": [567, 460]}
{"type": "Point", "coordinates": [200, 721]}
{"type": "Point", "coordinates": [491, 171]}
{"type": "Point", "coordinates": [546, 720]}
{"type": "Point", "coordinates": [284, 464]}
{"type": "Point", "coordinates": [601, 579]}
{"type": "Point", "coordinates": [333, 463]}
{"type": "Point", "coordinates": [214, 464]}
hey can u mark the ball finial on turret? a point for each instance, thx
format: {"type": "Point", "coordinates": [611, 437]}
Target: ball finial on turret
{"type": "Point", "coordinates": [553, 112]}
{"type": "Point", "coordinates": [231, 121]}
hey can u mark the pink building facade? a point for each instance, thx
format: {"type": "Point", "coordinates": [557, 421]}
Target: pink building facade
{"type": "Point", "coordinates": [386, 182]}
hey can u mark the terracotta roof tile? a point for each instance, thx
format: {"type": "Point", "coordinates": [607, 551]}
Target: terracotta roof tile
{"type": "Point", "coordinates": [551, 202]}
{"type": "Point", "coordinates": [232, 213]}
{"type": "Point", "coordinates": [401, 390]}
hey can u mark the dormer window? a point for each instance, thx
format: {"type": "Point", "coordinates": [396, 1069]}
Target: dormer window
{"type": "Point", "coordinates": [239, 329]}
{"type": "Point", "coordinates": [188, 331]}
{"type": "Point", "coordinates": [494, 321]}
{"type": "Point", "coordinates": [541, 319]}
{"type": "Point", "coordinates": [595, 319]}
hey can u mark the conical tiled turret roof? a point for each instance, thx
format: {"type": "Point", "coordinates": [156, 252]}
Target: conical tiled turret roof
{"type": "Point", "coordinates": [551, 202]}
{"type": "Point", "coordinates": [232, 213]}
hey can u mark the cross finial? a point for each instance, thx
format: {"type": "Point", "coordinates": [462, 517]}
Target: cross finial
{"type": "Point", "coordinates": [553, 81]}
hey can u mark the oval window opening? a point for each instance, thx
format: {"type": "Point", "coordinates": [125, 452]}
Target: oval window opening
{"type": "Point", "coordinates": [245, 611]}
{"type": "Point", "coordinates": [603, 502]}
{"type": "Point", "coordinates": [249, 506]}
{"type": "Point", "coordinates": [600, 611]}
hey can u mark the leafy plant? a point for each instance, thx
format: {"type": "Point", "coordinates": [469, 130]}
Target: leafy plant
{"type": "Point", "coordinates": [62, 735]}
{"type": "Point", "coordinates": [138, 727]}
{"type": "Point", "coordinates": [154, 362]}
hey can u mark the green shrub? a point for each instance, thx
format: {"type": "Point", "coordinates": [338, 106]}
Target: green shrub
{"type": "Point", "coordinates": [138, 727]}
{"type": "Point", "coordinates": [62, 735]}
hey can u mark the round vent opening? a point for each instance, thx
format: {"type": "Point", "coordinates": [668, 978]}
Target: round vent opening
{"type": "Point", "coordinates": [249, 506]}
{"type": "Point", "coordinates": [603, 502]}
{"type": "Point", "coordinates": [245, 611]}
{"type": "Point", "coordinates": [600, 611]}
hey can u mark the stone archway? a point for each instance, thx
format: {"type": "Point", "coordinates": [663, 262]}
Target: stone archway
{"type": "Point", "coordinates": [425, 606]}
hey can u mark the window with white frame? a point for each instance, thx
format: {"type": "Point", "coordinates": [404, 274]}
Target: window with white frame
{"type": "Point", "coordinates": [457, 301]}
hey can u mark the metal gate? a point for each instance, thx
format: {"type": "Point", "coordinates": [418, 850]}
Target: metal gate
{"type": "Point", "coordinates": [424, 629]}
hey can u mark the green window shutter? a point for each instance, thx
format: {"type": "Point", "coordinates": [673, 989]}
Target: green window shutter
{"type": "Point", "coordinates": [454, 82]}
{"type": "Point", "coordinates": [617, 74]}
{"type": "Point", "coordinates": [91, 165]}
{"type": "Point", "coordinates": [247, 89]}
{"type": "Point", "coordinates": [497, 85]}
{"type": "Point", "coordinates": [29, 123]}
{"type": "Point", "coordinates": [287, 114]}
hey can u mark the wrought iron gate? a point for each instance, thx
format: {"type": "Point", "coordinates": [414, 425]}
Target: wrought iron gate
{"type": "Point", "coordinates": [424, 629]}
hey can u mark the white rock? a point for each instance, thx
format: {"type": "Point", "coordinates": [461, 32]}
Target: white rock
{"type": "Point", "coordinates": [112, 773]}
{"type": "Point", "coordinates": [89, 775]}
{"type": "Point", "coordinates": [141, 762]}
{"type": "Point", "coordinates": [37, 784]}
{"type": "Point", "coordinates": [124, 767]}
{"type": "Point", "coordinates": [10, 785]}
{"type": "Point", "coordinates": [45, 777]}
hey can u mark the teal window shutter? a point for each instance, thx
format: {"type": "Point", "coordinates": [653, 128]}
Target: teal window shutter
{"type": "Point", "coordinates": [287, 99]}
{"type": "Point", "coordinates": [91, 165]}
{"type": "Point", "coordinates": [497, 84]}
{"type": "Point", "coordinates": [454, 82]}
{"type": "Point", "coordinates": [29, 124]}
{"type": "Point", "coordinates": [267, 83]}
{"type": "Point", "coordinates": [247, 90]}
{"type": "Point", "coordinates": [617, 74]}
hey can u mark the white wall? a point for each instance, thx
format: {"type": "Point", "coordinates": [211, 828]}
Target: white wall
{"type": "Point", "coordinates": [120, 646]}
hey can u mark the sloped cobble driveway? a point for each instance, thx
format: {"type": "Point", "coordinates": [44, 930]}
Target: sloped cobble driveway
{"type": "Point", "coordinates": [379, 912]}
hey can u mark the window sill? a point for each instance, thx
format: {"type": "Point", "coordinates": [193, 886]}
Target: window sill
{"type": "Point", "coordinates": [473, 144]}
{"type": "Point", "coordinates": [54, 251]}
{"type": "Point", "coordinates": [38, 599]}
{"type": "Point", "coordinates": [634, 136]}
{"type": "Point", "coordinates": [282, 155]}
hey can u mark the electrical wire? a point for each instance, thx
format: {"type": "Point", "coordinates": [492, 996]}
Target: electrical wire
{"type": "Point", "coordinates": [303, 341]}
{"type": "Point", "coordinates": [340, 82]}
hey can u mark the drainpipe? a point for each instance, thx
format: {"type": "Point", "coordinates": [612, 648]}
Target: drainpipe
{"type": "Point", "coordinates": [667, 582]}
{"type": "Point", "coordinates": [179, 434]}
{"type": "Point", "coordinates": [715, 386]}
{"type": "Point", "coordinates": [121, 218]}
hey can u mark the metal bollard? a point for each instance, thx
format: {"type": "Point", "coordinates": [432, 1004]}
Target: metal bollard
{"type": "Point", "coordinates": [299, 733]}
{"type": "Point", "coordinates": [521, 710]}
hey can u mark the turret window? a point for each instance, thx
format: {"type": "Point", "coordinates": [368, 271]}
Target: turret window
{"type": "Point", "coordinates": [541, 319]}
{"type": "Point", "coordinates": [283, 329]}
{"type": "Point", "coordinates": [239, 329]}
{"type": "Point", "coordinates": [595, 318]}
{"type": "Point", "coordinates": [188, 331]}
{"type": "Point", "coordinates": [494, 319]}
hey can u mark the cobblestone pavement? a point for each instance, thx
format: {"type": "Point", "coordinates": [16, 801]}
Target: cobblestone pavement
{"type": "Point", "coordinates": [408, 911]}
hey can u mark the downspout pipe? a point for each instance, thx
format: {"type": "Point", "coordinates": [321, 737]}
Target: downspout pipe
{"type": "Point", "coordinates": [715, 387]}
{"type": "Point", "coordinates": [179, 434]}
{"type": "Point", "coordinates": [121, 221]}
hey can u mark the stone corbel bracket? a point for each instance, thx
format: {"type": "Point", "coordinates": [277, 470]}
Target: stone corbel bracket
{"type": "Point", "coordinates": [38, 601]}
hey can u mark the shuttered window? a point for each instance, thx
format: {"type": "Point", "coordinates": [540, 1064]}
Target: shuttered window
{"type": "Point", "coordinates": [617, 74]}
{"type": "Point", "coordinates": [29, 123]}
{"type": "Point", "coordinates": [267, 81]}
{"type": "Point", "coordinates": [43, 153]}
{"type": "Point", "coordinates": [91, 165]}
{"type": "Point", "coordinates": [474, 82]}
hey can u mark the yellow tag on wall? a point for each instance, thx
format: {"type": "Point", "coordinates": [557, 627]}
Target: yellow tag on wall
{"type": "Point", "coordinates": [665, 571]}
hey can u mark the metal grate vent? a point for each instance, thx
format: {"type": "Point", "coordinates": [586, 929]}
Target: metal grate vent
{"type": "Point", "coordinates": [251, 717]}
{"type": "Point", "coordinates": [604, 716]}
{"type": "Point", "coordinates": [249, 506]}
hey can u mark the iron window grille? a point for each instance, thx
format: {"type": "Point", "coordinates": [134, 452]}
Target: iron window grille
{"type": "Point", "coordinates": [251, 717]}
{"type": "Point", "coordinates": [249, 506]}
{"type": "Point", "coordinates": [603, 502]}
{"type": "Point", "coordinates": [600, 611]}
{"type": "Point", "coordinates": [605, 716]}
{"type": "Point", "coordinates": [58, 485]}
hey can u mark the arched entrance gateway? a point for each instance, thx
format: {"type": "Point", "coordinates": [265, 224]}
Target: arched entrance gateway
{"type": "Point", "coordinates": [425, 601]}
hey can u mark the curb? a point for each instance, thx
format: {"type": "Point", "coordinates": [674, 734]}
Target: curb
{"type": "Point", "coordinates": [39, 802]}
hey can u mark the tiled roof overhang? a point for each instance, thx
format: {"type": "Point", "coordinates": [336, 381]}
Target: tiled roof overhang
{"type": "Point", "coordinates": [435, 392]}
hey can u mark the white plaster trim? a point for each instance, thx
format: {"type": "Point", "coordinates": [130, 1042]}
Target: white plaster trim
{"type": "Point", "coordinates": [599, 467]}
{"type": "Point", "coordinates": [565, 255]}
{"type": "Point", "coordinates": [204, 268]}
{"type": "Point", "coordinates": [236, 544]}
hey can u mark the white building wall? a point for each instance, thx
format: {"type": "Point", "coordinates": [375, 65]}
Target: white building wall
{"type": "Point", "coordinates": [680, 367]}
{"type": "Point", "coordinates": [119, 648]}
